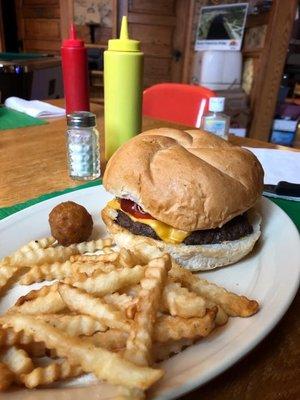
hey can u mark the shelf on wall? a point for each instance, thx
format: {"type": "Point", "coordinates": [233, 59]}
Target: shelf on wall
{"type": "Point", "coordinates": [97, 85]}
{"type": "Point", "coordinates": [96, 46]}
{"type": "Point", "coordinates": [96, 72]}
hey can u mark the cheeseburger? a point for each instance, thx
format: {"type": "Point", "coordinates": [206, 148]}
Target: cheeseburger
{"type": "Point", "coordinates": [189, 193]}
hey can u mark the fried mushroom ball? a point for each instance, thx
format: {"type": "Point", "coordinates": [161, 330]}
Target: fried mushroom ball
{"type": "Point", "coordinates": [70, 223]}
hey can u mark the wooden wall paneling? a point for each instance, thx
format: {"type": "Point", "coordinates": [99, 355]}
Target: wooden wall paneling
{"type": "Point", "coordinates": [162, 28]}
{"type": "Point", "coordinates": [152, 34]}
{"type": "Point", "coordinates": [148, 19]}
{"type": "Point", "coordinates": [153, 24]}
{"type": "Point", "coordinates": [66, 9]}
{"type": "Point", "coordinates": [187, 44]}
{"type": "Point", "coordinates": [102, 34]}
{"type": "Point", "coordinates": [39, 26]}
{"type": "Point", "coordinates": [2, 42]}
{"type": "Point", "coordinates": [42, 12]}
{"type": "Point", "coordinates": [156, 70]}
{"type": "Point", "coordinates": [271, 66]}
{"type": "Point", "coordinates": [114, 18]}
{"type": "Point", "coordinates": [42, 28]}
{"type": "Point", "coordinates": [20, 22]}
{"type": "Point", "coordinates": [180, 32]}
{"type": "Point", "coordinates": [161, 7]}
{"type": "Point", "coordinates": [42, 46]}
{"type": "Point", "coordinates": [46, 3]}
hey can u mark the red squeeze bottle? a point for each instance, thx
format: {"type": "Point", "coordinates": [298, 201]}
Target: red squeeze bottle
{"type": "Point", "coordinates": [75, 73]}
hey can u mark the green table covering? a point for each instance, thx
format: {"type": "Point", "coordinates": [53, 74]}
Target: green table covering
{"type": "Point", "coordinates": [292, 208]}
{"type": "Point", "coordinates": [11, 119]}
{"type": "Point", "coordinates": [7, 56]}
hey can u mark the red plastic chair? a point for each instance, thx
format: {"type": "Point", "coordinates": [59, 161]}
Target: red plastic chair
{"type": "Point", "coordinates": [176, 102]}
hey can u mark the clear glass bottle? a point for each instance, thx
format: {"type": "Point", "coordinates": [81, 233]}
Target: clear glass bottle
{"type": "Point", "coordinates": [83, 146]}
{"type": "Point", "coordinates": [215, 121]}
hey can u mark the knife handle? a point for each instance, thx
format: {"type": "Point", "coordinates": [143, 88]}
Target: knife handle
{"type": "Point", "coordinates": [288, 189]}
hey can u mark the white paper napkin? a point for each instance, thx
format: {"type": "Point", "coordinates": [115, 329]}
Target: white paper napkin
{"type": "Point", "coordinates": [35, 108]}
{"type": "Point", "coordinates": [279, 165]}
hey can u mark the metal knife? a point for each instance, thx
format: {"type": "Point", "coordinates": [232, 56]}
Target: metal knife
{"type": "Point", "coordinates": [283, 190]}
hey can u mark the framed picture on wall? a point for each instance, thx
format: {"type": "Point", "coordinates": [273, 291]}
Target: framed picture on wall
{"type": "Point", "coordinates": [221, 27]}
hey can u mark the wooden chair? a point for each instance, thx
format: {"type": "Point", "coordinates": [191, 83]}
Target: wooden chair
{"type": "Point", "coordinates": [176, 102]}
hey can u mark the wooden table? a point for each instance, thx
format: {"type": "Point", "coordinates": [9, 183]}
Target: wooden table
{"type": "Point", "coordinates": [33, 159]}
{"type": "Point", "coordinates": [33, 162]}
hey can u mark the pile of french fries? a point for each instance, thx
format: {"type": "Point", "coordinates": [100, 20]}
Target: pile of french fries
{"type": "Point", "coordinates": [111, 312]}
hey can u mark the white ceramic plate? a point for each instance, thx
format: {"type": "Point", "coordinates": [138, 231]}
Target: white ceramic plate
{"type": "Point", "coordinates": [270, 275]}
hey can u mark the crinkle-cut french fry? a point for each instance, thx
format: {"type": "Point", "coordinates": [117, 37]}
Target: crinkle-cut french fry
{"type": "Point", "coordinates": [34, 294]}
{"type": "Point", "coordinates": [103, 363]}
{"type": "Point", "coordinates": [6, 273]}
{"type": "Point", "coordinates": [179, 301]}
{"type": "Point", "coordinates": [231, 303]}
{"type": "Point", "coordinates": [42, 243]}
{"type": "Point", "coordinates": [50, 303]}
{"type": "Point", "coordinates": [17, 361]}
{"type": "Point", "coordinates": [139, 343]}
{"type": "Point", "coordinates": [53, 254]}
{"type": "Point", "coordinates": [74, 325]}
{"type": "Point", "coordinates": [51, 373]}
{"type": "Point", "coordinates": [93, 258]}
{"type": "Point", "coordinates": [121, 301]}
{"type": "Point", "coordinates": [6, 377]}
{"type": "Point", "coordinates": [124, 258]}
{"type": "Point", "coordinates": [132, 291]}
{"type": "Point", "coordinates": [103, 284]}
{"type": "Point", "coordinates": [92, 245]}
{"type": "Point", "coordinates": [163, 351]}
{"type": "Point", "coordinates": [34, 349]}
{"type": "Point", "coordinates": [221, 317]}
{"type": "Point", "coordinates": [33, 245]}
{"type": "Point", "coordinates": [41, 256]}
{"type": "Point", "coordinates": [146, 252]}
{"type": "Point", "coordinates": [108, 249]}
{"type": "Point", "coordinates": [127, 258]}
{"type": "Point", "coordinates": [90, 269]}
{"type": "Point", "coordinates": [175, 328]}
{"type": "Point", "coordinates": [113, 339]}
{"type": "Point", "coordinates": [85, 303]}
{"type": "Point", "coordinates": [47, 272]}
{"type": "Point", "coordinates": [8, 337]}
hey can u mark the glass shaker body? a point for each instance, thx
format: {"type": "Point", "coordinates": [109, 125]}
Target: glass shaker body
{"type": "Point", "coordinates": [83, 147]}
{"type": "Point", "coordinates": [215, 121]}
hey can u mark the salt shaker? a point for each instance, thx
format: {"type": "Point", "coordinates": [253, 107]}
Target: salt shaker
{"type": "Point", "coordinates": [83, 146]}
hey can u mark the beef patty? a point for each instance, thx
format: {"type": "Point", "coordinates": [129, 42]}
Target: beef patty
{"type": "Point", "coordinates": [232, 230]}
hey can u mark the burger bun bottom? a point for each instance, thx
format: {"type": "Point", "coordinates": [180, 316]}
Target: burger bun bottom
{"type": "Point", "coordinates": [192, 257]}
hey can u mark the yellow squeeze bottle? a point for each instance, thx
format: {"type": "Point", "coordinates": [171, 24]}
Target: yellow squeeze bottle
{"type": "Point", "coordinates": [123, 77]}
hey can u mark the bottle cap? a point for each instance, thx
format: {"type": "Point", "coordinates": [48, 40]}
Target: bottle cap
{"type": "Point", "coordinates": [72, 41]}
{"type": "Point", "coordinates": [124, 43]}
{"type": "Point", "coordinates": [216, 104]}
{"type": "Point", "coordinates": [81, 119]}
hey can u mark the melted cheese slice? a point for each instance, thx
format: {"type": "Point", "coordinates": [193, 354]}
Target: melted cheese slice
{"type": "Point", "coordinates": [164, 231]}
